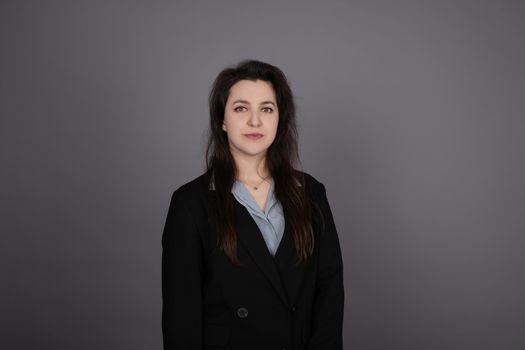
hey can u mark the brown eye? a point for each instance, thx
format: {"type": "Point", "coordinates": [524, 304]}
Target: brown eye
{"type": "Point", "coordinates": [240, 109]}
{"type": "Point", "coordinates": [267, 109]}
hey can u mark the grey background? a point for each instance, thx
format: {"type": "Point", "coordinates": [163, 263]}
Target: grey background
{"type": "Point", "coordinates": [410, 112]}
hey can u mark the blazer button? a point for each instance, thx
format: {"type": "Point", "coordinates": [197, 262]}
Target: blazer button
{"type": "Point", "coordinates": [242, 312]}
{"type": "Point", "coordinates": [292, 309]}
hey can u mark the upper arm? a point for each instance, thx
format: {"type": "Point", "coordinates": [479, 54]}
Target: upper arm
{"type": "Point", "coordinates": [330, 258]}
{"type": "Point", "coordinates": [328, 305]}
{"type": "Point", "coordinates": [182, 273]}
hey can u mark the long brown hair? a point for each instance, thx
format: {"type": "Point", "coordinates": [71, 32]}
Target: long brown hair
{"type": "Point", "coordinates": [281, 158]}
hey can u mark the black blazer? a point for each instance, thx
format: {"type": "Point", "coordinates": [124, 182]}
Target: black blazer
{"type": "Point", "coordinates": [270, 302]}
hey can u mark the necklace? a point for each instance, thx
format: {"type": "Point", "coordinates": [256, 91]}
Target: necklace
{"type": "Point", "coordinates": [256, 187]}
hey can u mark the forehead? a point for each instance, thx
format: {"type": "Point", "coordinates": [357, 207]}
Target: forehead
{"type": "Point", "coordinates": [250, 90]}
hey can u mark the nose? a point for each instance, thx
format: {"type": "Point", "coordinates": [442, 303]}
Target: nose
{"type": "Point", "coordinates": [254, 120]}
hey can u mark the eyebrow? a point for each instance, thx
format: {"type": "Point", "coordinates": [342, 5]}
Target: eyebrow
{"type": "Point", "coordinates": [244, 101]}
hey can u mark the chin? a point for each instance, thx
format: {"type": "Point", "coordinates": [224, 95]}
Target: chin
{"type": "Point", "coordinates": [250, 149]}
{"type": "Point", "coordinates": [253, 152]}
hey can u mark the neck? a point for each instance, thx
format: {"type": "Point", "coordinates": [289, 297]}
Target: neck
{"type": "Point", "coordinates": [250, 168]}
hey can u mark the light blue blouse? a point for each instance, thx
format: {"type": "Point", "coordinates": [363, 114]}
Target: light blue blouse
{"type": "Point", "coordinates": [270, 221]}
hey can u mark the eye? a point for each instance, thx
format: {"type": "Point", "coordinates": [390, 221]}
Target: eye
{"type": "Point", "coordinates": [240, 109]}
{"type": "Point", "coordinates": [267, 109]}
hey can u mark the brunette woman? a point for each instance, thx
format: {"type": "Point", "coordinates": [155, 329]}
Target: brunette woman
{"type": "Point", "coordinates": [251, 257]}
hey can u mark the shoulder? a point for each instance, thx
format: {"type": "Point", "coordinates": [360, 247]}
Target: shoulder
{"type": "Point", "coordinates": [193, 190]}
{"type": "Point", "coordinates": [312, 185]}
{"type": "Point", "coordinates": [186, 211]}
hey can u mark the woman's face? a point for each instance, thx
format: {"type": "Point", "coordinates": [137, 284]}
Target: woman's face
{"type": "Point", "coordinates": [251, 117]}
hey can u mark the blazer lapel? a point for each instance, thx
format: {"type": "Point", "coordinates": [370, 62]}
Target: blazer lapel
{"type": "Point", "coordinates": [250, 236]}
{"type": "Point", "coordinates": [286, 250]}
{"type": "Point", "coordinates": [286, 261]}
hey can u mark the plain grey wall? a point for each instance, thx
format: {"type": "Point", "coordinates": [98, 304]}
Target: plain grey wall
{"type": "Point", "coordinates": [412, 113]}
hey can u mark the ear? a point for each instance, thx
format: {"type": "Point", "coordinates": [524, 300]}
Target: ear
{"type": "Point", "coordinates": [223, 126]}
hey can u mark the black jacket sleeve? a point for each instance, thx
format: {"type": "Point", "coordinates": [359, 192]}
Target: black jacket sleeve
{"type": "Point", "coordinates": [328, 305]}
{"type": "Point", "coordinates": [182, 270]}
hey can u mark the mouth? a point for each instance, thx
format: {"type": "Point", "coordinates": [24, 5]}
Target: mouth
{"type": "Point", "coordinates": [254, 136]}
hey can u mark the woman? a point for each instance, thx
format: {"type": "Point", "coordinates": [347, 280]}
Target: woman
{"type": "Point", "coordinates": [251, 258]}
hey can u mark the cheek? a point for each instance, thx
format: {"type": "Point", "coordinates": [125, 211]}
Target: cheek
{"type": "Point", "coordinates": [275, 124]}
{"type": "Point", "coordinates": [228, 123]}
